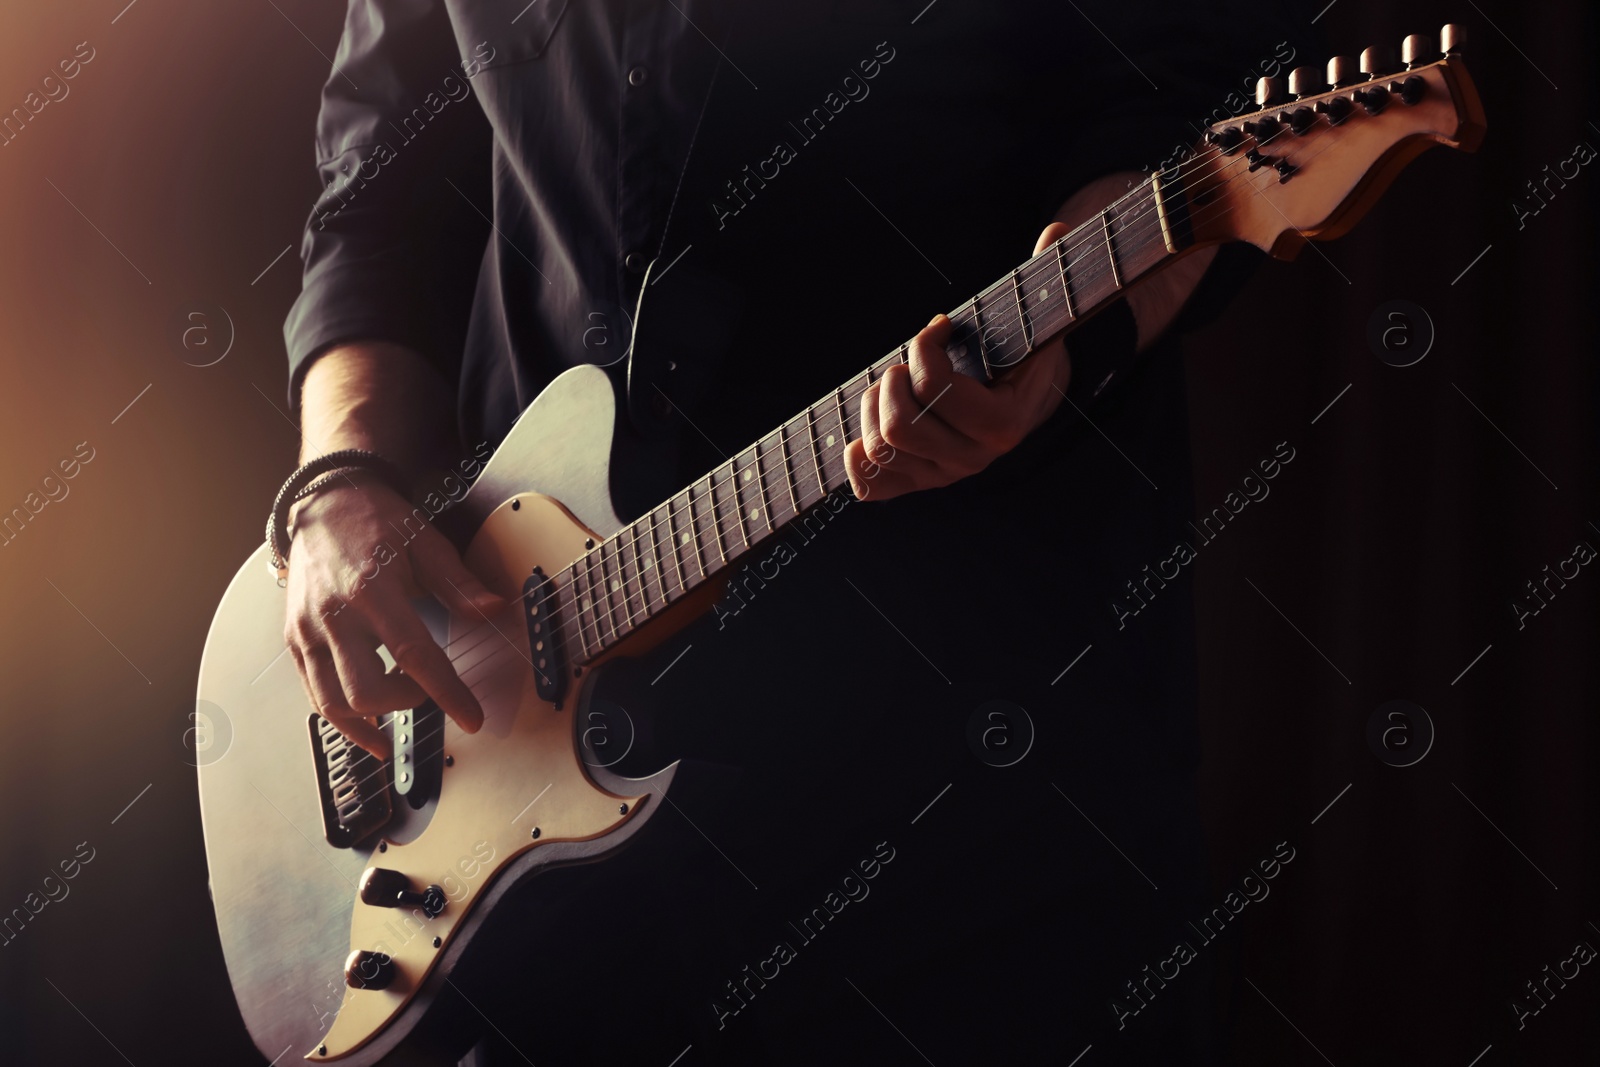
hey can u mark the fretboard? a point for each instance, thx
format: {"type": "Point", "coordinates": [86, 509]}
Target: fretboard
{"type": "Point", "coordinates": [699, 532]}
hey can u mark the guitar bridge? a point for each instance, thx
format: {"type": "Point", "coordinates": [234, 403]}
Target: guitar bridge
{"type": "Point", "coordinates": [352, 783]}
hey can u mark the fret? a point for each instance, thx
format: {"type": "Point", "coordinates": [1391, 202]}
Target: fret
{"type": "Point", "coordinates": [730, 484]}
{"type": "Point", "coordinates": [641, 569]}
{"type": "Point", "coordinates": [575, 596]}
{"type": "Point", "coordinates": [852, 406]}
{"type": "Point", "coordinates": [619, 552]}
{"type": "Point", "coordinates": [788, 469]}
{"type": "Point", "coordinates": [716, 526]}
{"type": "Point", "coordinates": [816, 458]}
{"type": "Point", "coordinates": [594, 601]}
{"type": "Point", "coordinates": [1061, 268]}
{"type": "Point", "coordinates": [677, 541]}
{"type": "Point", "coordinates": [691, 536]}
{"type": "Point", "coordinates": [750, 509]}
{"type": "Point", "coordinates": [610, 585]}
{"type": "Point", "coordinates": [979, 330]}
{"type": "Point", "coordinates": [1022, 317]}
{"type": "Point", "coordinates": [761, 489]}
{"type": "Point", "coordinates": [838, 438]}
{"type": "Point", "coordinates": [655, 555]}
{"type": "Point", "coordinates": [1111, 248]}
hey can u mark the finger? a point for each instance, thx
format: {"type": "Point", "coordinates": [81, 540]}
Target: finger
{"type": "Point", "coordinates": [322, 682]}
{"type": "Point", "coordinates": [965, 404]}
{"type": "Point", "coordinates": [1052, 233]}
{"type": "Point", "coordinates": [876, 469]}
{"type": "Point", "coordinates": [877, 455]}
{"type": "Point", "coordinates": [368, 688]}
{"type": "Point", "coordinates": [417, 654]}
{"type": "Point", "coordinates": [873, 446]}
{"type": "Point", "coordinates": [438, 569]}
{"type": "Point", "coordinates": [910, 426]}
{"type": "Point", "coordinates": [995, 416]}
{"type": "Point", "coordinates": [874, 481]}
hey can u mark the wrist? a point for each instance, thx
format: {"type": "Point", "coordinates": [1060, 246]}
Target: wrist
{"type": "Point", "coordinates": [335, 492]}
{"type": "Point", "coordinates": [314, 475]}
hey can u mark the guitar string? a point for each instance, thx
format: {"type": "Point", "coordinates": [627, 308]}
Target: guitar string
{"type": "Point", "coordinates": [826, 455]}
{"type": "Point", "coordinates": [771, 443]}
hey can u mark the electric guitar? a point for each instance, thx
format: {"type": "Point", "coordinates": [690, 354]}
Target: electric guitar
{"type": "Point", "coordinates": [349, 889]}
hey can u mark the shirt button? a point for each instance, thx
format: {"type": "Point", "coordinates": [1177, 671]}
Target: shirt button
{"type": "Point", "coordinates": [636, 262]}
{"type": "Point", "coordinates": [637, 76]}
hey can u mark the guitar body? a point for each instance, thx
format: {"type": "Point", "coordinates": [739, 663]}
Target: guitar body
{"type": "Point", "coordinates": [286, 900]}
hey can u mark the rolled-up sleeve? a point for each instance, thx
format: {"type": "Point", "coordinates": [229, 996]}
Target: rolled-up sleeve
{"type": "Point", "coordinates": [391, 249]}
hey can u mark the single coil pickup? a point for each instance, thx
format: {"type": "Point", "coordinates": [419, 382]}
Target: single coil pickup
{"type": "Point", "coordinates": [544, 637]}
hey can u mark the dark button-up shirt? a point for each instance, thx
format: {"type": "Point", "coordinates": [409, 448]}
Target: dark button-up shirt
{"type": "Point", "coordinates": [498, 173]}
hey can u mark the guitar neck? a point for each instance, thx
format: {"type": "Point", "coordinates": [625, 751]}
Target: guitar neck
{"type": "Point", "coordinates": [700, 532]}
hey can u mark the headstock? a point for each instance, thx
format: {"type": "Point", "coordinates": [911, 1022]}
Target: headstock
{"type": "Point", "coordinates": [1310, 161]}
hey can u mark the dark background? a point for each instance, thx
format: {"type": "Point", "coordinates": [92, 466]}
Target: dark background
{"type": "Point", "coordinates": [1417, 507]}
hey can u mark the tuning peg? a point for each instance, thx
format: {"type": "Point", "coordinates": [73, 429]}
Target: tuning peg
{"type": "Point", "coordinates": [1451, 38]}
{"type": "Point", "coordinates": [1341, 71]}
{"type": "Point", "coordinates": [1302, 82]}
{"type": "Point", "coordinates": [1374, 99]}
{"type": "Point", "coordinates": [1263, 129]}
{"type": "Point", "coordinates": [1416, 50]}
{"type": "Point", "coordinates": [1377, 61]}
{"type": "Point", "coordinates": [1337, 108]}
{"type": "Point", "coordinates": [1227, 139]}
{"type": "Point", "coordinates": [1412, 90]}
{"type": "Point", "coordinates": [1268, 91]}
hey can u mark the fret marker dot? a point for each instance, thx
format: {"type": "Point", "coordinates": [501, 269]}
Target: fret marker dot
{"type": "Point", "coordinates": [685, 538]}
{"type": "Point", "coordinates": [747, 476]}
{"type": "Point", "coordinates": [1044, 294]}
{"type": "Point", "coordinates": [585, 603]}
{"type": "Point", "coordinates": [755, 512]}
{"type": "Point", "coordinates": [646, 563]}
{"type": "Point", "coordinates": [830, 439]}
{"type": "Point", "coordinates": [615, 585]}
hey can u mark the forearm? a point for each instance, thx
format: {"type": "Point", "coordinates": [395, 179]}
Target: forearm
{"type": "Point", "coordinates": [378, 396]}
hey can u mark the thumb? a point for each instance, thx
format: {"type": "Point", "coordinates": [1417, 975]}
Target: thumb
{"type": "Point", "coordinates": [1052, 233]}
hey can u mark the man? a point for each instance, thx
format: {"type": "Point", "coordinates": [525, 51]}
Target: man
{"type": "Point", "coordinates": [829, 174]}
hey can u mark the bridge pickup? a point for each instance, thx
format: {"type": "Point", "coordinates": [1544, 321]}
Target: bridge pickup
{"type": "Point", "coordinates": [353, 786]}
{"type": "Point", "coordinates": [418, 737]}
{"type": "Point", "coordinates": [544, 637]}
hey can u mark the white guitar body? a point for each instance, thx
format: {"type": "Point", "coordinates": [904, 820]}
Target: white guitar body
{"type": "Point", "coordinates": [286, 900]}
